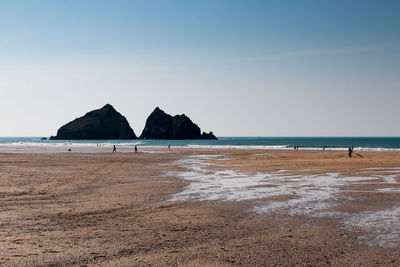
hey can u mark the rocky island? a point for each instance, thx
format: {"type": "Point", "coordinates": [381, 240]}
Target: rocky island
{"type": "Point", "coordinates": [100, 124]}
{"type": "Point", "coordinates": [160, 125]}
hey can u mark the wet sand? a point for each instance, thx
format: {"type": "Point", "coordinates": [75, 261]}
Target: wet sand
{"type": "Point", "coordinates": [183, 207]}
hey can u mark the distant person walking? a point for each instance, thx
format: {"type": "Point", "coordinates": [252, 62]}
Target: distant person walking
{"type": "Point", "coordinates": [350, 151]}
{"type": "Point", "coordinates": [169, 146]}
{"type": "Point", "coordinates": [135, 148]}
{"type": "Point", "coordinates": [114, 149]}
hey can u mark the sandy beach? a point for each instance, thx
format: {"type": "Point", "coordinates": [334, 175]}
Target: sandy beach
{"type": "Point", "coordinates": [196, 207]}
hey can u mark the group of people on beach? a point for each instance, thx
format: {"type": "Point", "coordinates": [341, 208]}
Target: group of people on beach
{"type": "Point", "coordinates": [295, 147]}
{"type": "Point", "coordinates": [115, 149]}
{"type": "Point", "coordinates": [350, 150]}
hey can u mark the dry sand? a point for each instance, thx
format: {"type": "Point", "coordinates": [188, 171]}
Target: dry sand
{"type": "Point", "coordinates": [187, 207]}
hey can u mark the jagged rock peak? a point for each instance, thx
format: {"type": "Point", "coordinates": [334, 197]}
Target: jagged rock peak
{"type": "Point", "coordinates": [160, 125]}
{"type": "Point", "coordinates": [108, 107]}
{"type": "Point", "coordinates": [105, 123]}
{"type": "Point", "coordinates": [209, 135]}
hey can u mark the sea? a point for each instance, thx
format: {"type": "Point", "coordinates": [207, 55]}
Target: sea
{"type": "Point", "coordinates": [273, 143]}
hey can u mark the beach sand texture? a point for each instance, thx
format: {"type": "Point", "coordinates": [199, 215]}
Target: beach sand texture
{"type": "Point", "coordinates": [195, 207]}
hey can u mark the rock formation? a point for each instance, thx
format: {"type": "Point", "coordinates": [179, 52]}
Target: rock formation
{"type": "Point", "coordinates": [100, 124]}
{"type": "Point", "coordinates": [160, 125]}
{"type": "Point", "coordinates": [209, 135]}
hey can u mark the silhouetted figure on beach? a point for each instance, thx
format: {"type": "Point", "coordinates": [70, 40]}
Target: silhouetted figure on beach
{"type": "Point", "coordinates": [114, 149]}
{"type": "Point", "coordinates": [350, 151]}
{"type": "Point", "coordinates": [169, 146]}
{"type": "Point", "coordinates": [323, 149]}
{"type": "Point", "coordinates": [135, 148]}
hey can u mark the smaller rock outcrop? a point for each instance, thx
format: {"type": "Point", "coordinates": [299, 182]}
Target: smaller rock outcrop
{"type": "Point", "coordinates": [209, 135]}
{"type": "Point", "coordinates": [160, 125]}
{"type": "Point", "coordinates": [100, 124]}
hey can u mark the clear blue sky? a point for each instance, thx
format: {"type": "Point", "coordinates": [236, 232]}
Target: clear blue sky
{"type": "Point", "coordinates": [265, 68]}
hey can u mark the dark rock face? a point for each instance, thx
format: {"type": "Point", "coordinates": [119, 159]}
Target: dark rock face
{"type": "Point", "coordinates": [105, 123]}
{"type": "Point", "coordinates": [160, 125]}
{"type": "Point", "coordinates": [209, 135]}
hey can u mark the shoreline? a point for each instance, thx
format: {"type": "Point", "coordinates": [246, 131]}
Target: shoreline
{"type": "Point", "coordinates": [362, 144]}
{"type": "Point", "coordinates": [45, 148]}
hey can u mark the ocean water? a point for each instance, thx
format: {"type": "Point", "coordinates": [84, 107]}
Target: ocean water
{"type": "Point", "coordinates": [277, 143]}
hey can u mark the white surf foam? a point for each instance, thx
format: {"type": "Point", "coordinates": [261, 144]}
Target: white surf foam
{"type": "Point", "coordinates": [75, 144]}
{"type": "Point", "coordinates": [289, 147]}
